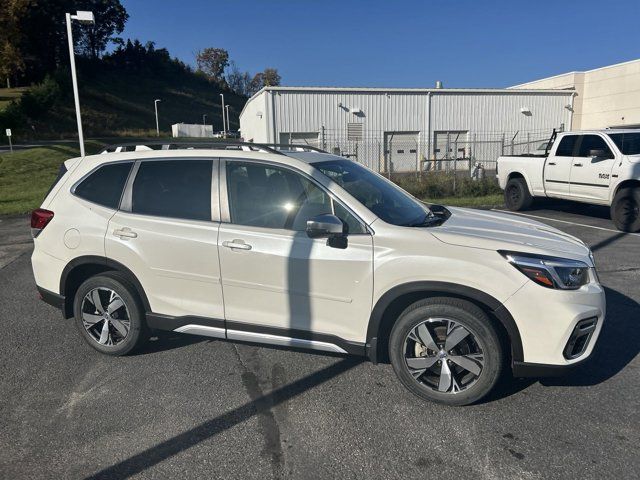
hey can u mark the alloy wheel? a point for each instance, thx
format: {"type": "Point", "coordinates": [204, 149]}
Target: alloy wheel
{"type": "Point", "coordinates": [105, 316]}
{"type": "Point", "coordinates": [444, 355]}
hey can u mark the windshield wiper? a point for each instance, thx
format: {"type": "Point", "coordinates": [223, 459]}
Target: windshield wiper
{"type": "Point", "coordinates": [427, 221]}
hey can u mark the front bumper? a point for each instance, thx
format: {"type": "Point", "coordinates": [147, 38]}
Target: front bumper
{"type": "Point", "coordinates": [547, 321]}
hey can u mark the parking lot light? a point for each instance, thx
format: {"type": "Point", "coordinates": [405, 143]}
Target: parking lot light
{"type": "Point", "coordinates": [155, 105]}
{"type": "Point", "coordinates": [86, 18]}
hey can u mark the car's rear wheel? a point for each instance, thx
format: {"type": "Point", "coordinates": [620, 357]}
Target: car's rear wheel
{"type": "Point", "coordinates": [108, 314]}
{"type": "Point", "coordinates": [517, 195]}
{"type": "Point", "coordinates": [625, 209]}
{"type": "Point", "coordinates": [446, 350]}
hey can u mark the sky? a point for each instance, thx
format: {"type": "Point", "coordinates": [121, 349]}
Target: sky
{"type": "Point", "coordinates": [398, 43]}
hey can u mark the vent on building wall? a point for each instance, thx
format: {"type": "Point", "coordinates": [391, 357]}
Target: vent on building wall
{"type": "Point", "coordinates": [354, 131]}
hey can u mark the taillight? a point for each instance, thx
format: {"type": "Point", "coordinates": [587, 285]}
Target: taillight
{"type": "Point", "coordinates": [40, 218]}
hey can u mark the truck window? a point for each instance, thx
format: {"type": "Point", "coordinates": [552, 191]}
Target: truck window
{"type": "Point", "coordinates": [628, 143]}
{"type": "Point", "coordinates": [565, 149]}
{"type": "Point", "coordinates": [593, 142]}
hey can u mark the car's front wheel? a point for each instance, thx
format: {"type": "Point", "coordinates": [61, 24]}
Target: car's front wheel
{"type": "Point", "coordinates": [446, 350]}
{"type": "Point", "coordinates": [108, 314]}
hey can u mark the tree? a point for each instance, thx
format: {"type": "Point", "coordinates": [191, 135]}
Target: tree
{"type": "Point", "coordinates": [268, 78]}
{"type": "Point", "coordinates": [35, 32]}
{"type": "Point", "coordinates": [239, 82]}
{"type": "Point", "coordinates": [110, 20]}
{"type": "Point", "coordinates": [271, 78]}
{"type": "Point", "coordinates": [213, 61]}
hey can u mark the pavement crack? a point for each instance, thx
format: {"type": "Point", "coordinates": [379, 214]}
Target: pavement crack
{"type": "Point", "coordinates": [266, 418]}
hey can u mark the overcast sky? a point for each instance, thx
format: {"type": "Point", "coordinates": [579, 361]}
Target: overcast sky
{"type": "Point", "coordinates": [397, 43]}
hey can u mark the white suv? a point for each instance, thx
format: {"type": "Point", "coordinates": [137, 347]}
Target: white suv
{"type": "Point", "coordinates": [311, 250]}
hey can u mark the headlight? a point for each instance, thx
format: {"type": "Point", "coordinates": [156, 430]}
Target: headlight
{"type": "Point", "coordinates": [550, 272]}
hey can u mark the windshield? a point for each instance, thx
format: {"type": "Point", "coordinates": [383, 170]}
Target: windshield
{"type": "Point", "coordinates": [627, 143]}
{"type": "Point", "coordinates": [382, 197]}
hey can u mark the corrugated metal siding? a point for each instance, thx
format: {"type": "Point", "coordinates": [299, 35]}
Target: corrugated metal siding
{"type": "Point", "coordinates": [252, 126]}
{"type": "Point", "coordinates": [307, 111]}
{"type": "Point", "coordinates": [487, 113]}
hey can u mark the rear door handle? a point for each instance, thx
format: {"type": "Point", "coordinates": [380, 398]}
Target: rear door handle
{"type": "Point", "coordinates": [237, 244]}
{"type": "Point", "coordinates": [577, 164]}
{"type": "Point", "coordinates": [125, 233]}
{"type": "Point", "coordinates": [552, 163]}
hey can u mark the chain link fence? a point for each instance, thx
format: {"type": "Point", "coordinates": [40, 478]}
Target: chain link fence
{"type": "Point", "coordinates": [452, 152]}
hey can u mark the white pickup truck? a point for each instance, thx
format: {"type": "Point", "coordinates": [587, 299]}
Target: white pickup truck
{"type": "Point", "coordinates": [600, 167]}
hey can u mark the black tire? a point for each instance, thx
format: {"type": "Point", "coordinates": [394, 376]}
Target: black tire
{"type": "Point", "coordinates": [625, 209]}
{"type": "Point", "coordinates": [481, 334]}
{"type": "Point", "coordinates": [133, 312]}
{"type": "Point", "coordinates": [517, 195]}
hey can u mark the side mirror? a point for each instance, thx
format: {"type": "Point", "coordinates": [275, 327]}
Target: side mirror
{"type": "Point", "coordinates": [325, 226]}
{"type": "Point", "coordinates": [598, 154]}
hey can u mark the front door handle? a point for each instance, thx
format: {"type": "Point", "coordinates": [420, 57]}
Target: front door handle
{"type": "Point", "coordinates": [125, 233]}
{"type": "Point", "coordinates": [577, 164]}
{"type": "Point", "coordinates": [237, 244]}
{"type": "Point", "coordinates": [552, 163]}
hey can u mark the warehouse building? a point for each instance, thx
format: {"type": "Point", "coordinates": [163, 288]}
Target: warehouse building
{"type": "Point", "coordinates": [408, 130]}
{"type": "Point", "coordinates": [606, 97]}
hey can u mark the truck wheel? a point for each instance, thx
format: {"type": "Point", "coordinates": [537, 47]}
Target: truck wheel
{"type": "Point", "coordinates": [625, 209]}
{"type": "Point", "coordinates": [516, 195]}
{"type": "Point", "coordinates": [445, 350]}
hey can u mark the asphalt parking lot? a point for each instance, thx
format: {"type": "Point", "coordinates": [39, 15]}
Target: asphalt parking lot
{"type": "Point", "coordinates": [190, 407]}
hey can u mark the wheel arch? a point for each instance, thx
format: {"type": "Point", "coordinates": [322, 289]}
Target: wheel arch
{"type": "Point", "coordinates": [519, 174]}
{"type": "Point", "coordinates": [391, 304]}
{"type": "Point", "coordinates": [81, 268]}
{"type": "Point", "coordinates": [629, 183]}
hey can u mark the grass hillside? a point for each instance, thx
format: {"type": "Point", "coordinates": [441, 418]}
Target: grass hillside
{"type": "Point", "coordinates": [119, 102]}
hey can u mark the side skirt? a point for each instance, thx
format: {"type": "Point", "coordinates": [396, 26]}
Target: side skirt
{"type": "Point", "coordinates": [244, 332]}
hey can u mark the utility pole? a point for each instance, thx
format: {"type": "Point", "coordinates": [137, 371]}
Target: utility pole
{"type": "Point", "coordinates": [155, 105]}
{"type": "Point", "coordinates": [224, 122]}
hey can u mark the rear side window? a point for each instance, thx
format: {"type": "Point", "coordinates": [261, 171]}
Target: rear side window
{"type": "Point", "coordinates": [593, 142]}
{"type": "Point", "coordinates": [105, 185]}
{"type": "Point", "coordinates": [174, 188]}
{"type": "Point", "coordinates": [565, 149]}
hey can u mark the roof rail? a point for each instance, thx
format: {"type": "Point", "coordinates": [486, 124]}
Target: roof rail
{"type": "Point", "coordinates": [294, 147]}
{"type": "Point", "coordinates": [246, 146]}
{"type": "Point", "coordinates": [159, 145]}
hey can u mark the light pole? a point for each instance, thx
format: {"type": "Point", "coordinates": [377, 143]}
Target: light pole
{"type": "Point", "coordinates": [204, 119]}
{"type": "Point", "coordinates": [85, 18]}
{"type": "Point", "coordinates": [228, 123]}
{"type": "Point", "coordinates": [155, 105]}
{"type": "Point", "coordinates": [224, 123]}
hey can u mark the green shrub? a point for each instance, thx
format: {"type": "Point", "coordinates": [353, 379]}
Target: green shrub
{"type": "Point", "coordinates": [435, 185]}
{"type": "Point", "coordinates": [38, 100]}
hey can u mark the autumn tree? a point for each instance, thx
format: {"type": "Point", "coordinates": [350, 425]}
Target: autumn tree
{"type": "Point", "coordinates": [213, 61]}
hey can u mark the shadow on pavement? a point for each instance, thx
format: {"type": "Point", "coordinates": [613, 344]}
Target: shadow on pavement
{"type": "Point", "coordinates": [156, 454]}
{"type": "Point", "coordinates": [576, 208]}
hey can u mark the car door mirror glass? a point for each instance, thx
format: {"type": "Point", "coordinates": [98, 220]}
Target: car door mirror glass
{"type": "Point", "coordinates": [325, 226]}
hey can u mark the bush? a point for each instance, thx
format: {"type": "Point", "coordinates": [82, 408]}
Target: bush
{"type": "Point", "coordinates": [435, 185]}
{"type": "Point", "coordinates": [38, 100]}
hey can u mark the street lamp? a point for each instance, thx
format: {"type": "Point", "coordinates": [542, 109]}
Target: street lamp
{"type": "Point", "coordinates": [204, 119]}
{"type": "Point", "coordinates": [224, 124]}
{"type": "Point", "coordinates": [155, 105]}
{"type": "Point", "coordinates": [228, 123]}
{"type": "Point", "coordinates": [87, 19]}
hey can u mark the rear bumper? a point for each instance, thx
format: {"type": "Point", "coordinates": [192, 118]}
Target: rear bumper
{"type": "Point", "coordinates": [53, 299]}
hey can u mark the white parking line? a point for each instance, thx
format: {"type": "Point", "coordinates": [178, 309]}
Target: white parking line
{"type": "Point", "coordinates": [564, 221]}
